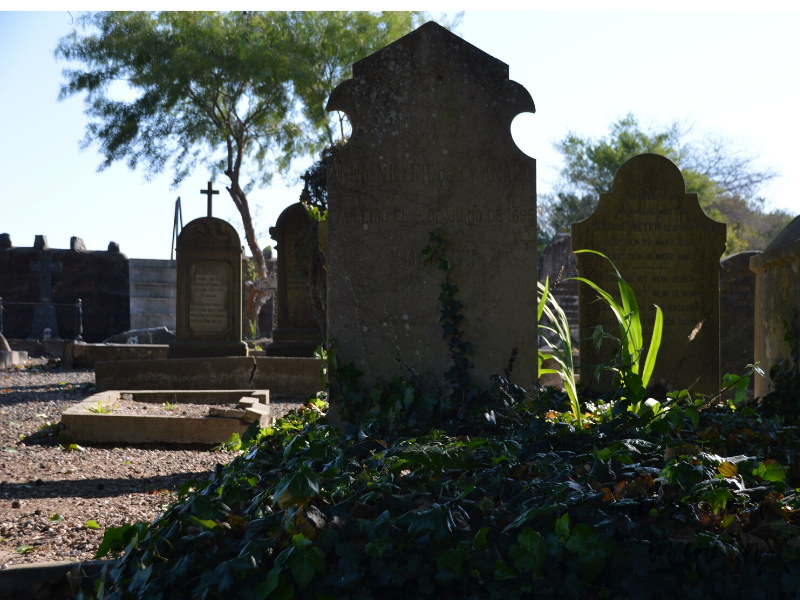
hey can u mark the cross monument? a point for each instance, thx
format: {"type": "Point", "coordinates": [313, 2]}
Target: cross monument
{"type": "Point", "coordinates": [209, 192]}
{"type": "Point", "coordinates": [47, 267]}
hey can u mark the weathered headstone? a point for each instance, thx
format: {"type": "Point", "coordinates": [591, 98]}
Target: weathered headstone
{"type": "Point", "coordinates": [737, 296]}
{"type": "Point", "coordinates": [431, 150]}
{"type": "Point", "coordinates": [5, 240]}
{"type": "Point", "coordinates": [76, 244]}
{"type": "Point", "coordinates": [44, 314]}
{"type": "Point", "coordinates": [668, 250]}
{"type": "Point", "coordinates": [777, 272]}
{"type": "Point", "coordinates": [558, 265]}
{"type": "Point", "coordinates": [209, 302]}
{"type": "Point", "coordinates": [297, 332]}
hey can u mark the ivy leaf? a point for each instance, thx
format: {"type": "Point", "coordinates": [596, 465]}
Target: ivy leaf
{"type": "Point", "coordinates": [728, 470]}
{"type": "Point", "coordinates": [770, 471]}
{"type": "Point", "coordinates": [693, 414]}
{"type": "Point", "coordinates": [304, 562]}
{"type": "Point", "coordinates": [503, 571]}
{"type": "Point", "coordinates": [92, 524]}
{"type": "Point", "coordinates": [562, 527]}
{"type": "Point", "coordinates": [717, 498]}
{"type": "Point", "coordinates": [590, 550]}
{"type": "Point", "coordinates": [529, 554]}
{"type": "Point", "coordinates": [57, 518]}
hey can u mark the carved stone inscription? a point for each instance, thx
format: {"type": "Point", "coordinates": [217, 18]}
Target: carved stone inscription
{"type": "Point", "coordinates": [431, 150]}
{"type": "Point", "coordinates": [208, 297]}
{"type": "Point", "coordinates": [668, 250]}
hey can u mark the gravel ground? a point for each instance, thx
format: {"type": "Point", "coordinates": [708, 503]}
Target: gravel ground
{"type": "Point", "coordinates": [47, 494]}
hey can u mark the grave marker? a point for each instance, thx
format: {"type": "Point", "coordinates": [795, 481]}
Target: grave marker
{"type": "Point", "coordinates": [209, 304]}
{"type": "Point", "coordinates": [737, 297]}
{"type": "Point", "coordinates": [668, 250]}
{"type": "Point", "coordinates": [44, 315]}
{"type": "Point", "coordinates": [777, 272]}
{"type": "Point", "coordinates": [431, 149]}
{"type": "Point", "coordinates": [297, 332]}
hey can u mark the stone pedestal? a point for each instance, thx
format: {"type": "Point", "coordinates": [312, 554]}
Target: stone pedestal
{"type": "Point", "coordinates": [777, 272]}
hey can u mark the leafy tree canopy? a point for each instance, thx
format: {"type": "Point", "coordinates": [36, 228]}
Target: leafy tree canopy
{"type": "Point", "coordinates": [724, 175]}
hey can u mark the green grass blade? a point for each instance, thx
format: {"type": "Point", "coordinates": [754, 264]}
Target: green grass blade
{"type": "Point", "coordinates": [655, 344]}
{"type": "Point", "coordinates": [544, 289]}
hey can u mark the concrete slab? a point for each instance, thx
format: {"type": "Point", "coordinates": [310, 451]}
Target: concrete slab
{"type": "Point", "coordinates": [297, 376]}
{"type": "Point", "coordinates": [28, 581]}
{"type": "Point", "coordinates": [91, 427]}
{"type": "Point", "coordinates": [12, 359]}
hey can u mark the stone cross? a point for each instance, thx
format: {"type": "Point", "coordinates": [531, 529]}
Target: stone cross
{"type": "Point", "coordinates": [47, 267]}
{"type": "Point", "coordinates": [209, 192]}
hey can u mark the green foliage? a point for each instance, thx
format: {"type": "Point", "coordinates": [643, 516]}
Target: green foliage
{"type": "Point", "coordinates": [725, 174]}
{"type": "Point", "coordinates": [102, 409]}
{"type": "Point", "coordinates": [630, 344]}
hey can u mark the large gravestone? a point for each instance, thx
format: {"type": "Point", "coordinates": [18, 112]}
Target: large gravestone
{"type": "Point", "coordinates": [431, 149]}
{"type": "Point", "coordinates": [559, 264]}
{"type": "Point", "coordinates": [45, 323]}
{"type": "Point", "coordinates": [668, 250]}
{"type": "Point", "coordinates": [209, 303]}
{"type": "Point", "coordinates": [737, 296]}
{"type": "Point", "coordinates": [297, 332]}
{"type": "Point", "coordinates": [777, 272]}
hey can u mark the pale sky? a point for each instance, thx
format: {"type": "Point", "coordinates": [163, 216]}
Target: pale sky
{"type": "Point", "coordinates": [734, 73]}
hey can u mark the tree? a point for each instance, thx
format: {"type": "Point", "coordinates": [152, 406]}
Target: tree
{"type": "Point", "coordinates": [242, 93]}
{"type": "Point", "coordinates": [724, 175]}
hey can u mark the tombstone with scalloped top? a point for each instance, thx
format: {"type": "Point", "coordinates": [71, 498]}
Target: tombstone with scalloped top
{"type": "Point", "coordinates": [431, 149]}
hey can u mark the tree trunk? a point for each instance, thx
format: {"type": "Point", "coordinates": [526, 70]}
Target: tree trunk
{"type": "Point", "coordinates": [255, 297]}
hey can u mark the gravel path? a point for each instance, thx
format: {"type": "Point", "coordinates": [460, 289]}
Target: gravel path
{"type": "Point", "coordinates": [47, 494]}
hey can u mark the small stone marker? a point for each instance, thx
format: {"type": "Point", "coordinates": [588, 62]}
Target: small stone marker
{"type": "Point", "coordinates": [558, 265]}
{"type": "Point", "coordinates": [777, 272]}
{"type": "Point", "coordinates": [431, 149]}
{"type": "Point", "coordinates": [668, 250]}
{"type": "Point", "coordinates": [297, 333]}
{"type": "Point", "coordinates": [76, 244]}
{"type": "Point", "coordinates": [737, 297]}
{"type": "Point", "coordinates": [209, 303]}
{"type": "Point", "coordinates": [44, 317]}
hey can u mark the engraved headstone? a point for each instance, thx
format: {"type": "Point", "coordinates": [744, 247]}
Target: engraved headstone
{"type": "Point", "coordinates": [297, 332]}
{"type": "Point", "coordinates": [44, 314]}
{"type": "Point", "coordinates": [558, 265]}
{"type": "Point", "coordinates": [668, 250]}
{"type": "Point", "coordinates": [777, 272]}
{"type": "Point", "coordinates": [431, 150]}
{"type": "Point", "coordinates": [209, 303]}
{"type": "Point", "coordinates": [737, 296]}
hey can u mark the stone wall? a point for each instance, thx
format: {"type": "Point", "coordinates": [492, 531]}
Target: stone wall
{"type": "Point", "coordinates": [99, 278]}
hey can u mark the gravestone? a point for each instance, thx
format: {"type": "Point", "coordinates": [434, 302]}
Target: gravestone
{"type": "Point", "coordinates": [209, 294]}
{"type": "Point", "coordinates": [737, 296]}
{"type": "Point", "coordinates": [668, 250]}
{"type": "Point", "coordinates": [431, 149]}
{"type": "Point", "coordinates": [44, 314]}
{"type": "Point", "coordinates": [297, 332]}
{"type": "Point", "coordinates": [777, 272]}
{"type": "Point", "coordinates": [558, 265]}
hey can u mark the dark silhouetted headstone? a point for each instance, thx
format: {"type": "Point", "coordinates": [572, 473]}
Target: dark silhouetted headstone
{"type": "Point", "coordinates": [737, 298]}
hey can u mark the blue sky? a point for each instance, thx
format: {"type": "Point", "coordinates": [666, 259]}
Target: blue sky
{"type": "Point", "coordinates": [733, 73]}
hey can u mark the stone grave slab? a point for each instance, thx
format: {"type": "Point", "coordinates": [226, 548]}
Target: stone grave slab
{"type": "Point", "coordinates": [86, 426]}
{"type": "Point", "coordinates": [737, 297]}
{"type": "Point", "coordinates": [668, 250]}
{"type": "Point", "coordinates": [431, 150]}
{"type": "Point", "coordinates": [777, 272]}
{"type": "Point", "coordinates": [209, 302]}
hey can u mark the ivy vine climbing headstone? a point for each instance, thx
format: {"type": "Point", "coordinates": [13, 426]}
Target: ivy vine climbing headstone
{"type": "Point", "coordinates": [668, 250]}
{"type": "Point", "coordinates": [431, 149]}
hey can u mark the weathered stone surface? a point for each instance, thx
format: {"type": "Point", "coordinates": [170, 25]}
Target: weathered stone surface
{"type": "Point", "coordinates": [4, 344]}
{"type": "Point", "coordinates": [558, 265]}
{"type": "Point", "coordinates": [85, 356]}
{"type": "Point", "coordinates": [150, 335]}
{"type": "Point", "coordinates": [76, 244]}
{"type": "Point", "coordinates": [209, 303]}
{"type": "Point", "coordinates": [297, 332]}
{"type": "Point", "coordinates": [40, 243]}
{"type": "Point", "coordinates": [737, 297]}
{"type": "Point", "coordinates": [98, 278]}
{"type": "Point", "coordinates": [777, 272]}
{"type": "Point", "coordinates": [297, 376]}
{"type": "Point", "coordinates": [5, 240]}
{"type": "Point", "coordinates": [668, 250]}
{"type": "Point", "coordinates": [113, 247]}
{"type": "Point", "coordinates": [431, 149]}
